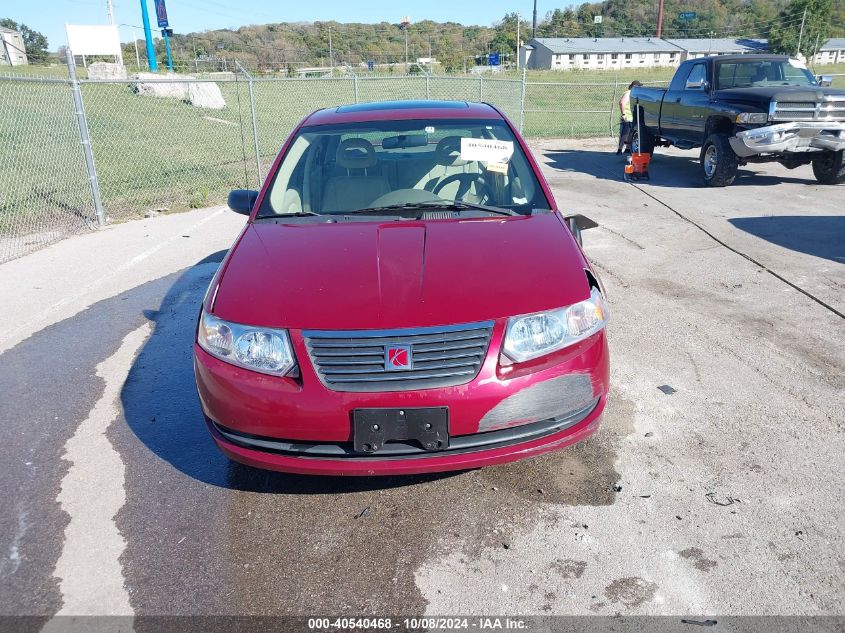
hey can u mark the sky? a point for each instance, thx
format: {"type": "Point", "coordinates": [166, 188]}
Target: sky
{"type": "Point", "coordinates": [50, 16]}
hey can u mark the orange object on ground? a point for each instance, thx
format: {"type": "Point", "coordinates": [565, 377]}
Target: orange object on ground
{"type": "Point", "coordinates": [637, 167]}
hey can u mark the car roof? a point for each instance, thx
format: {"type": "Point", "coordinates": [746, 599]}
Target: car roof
{"type": "Point", "coordinates": [741, 58]}
{"type": "Point", "coordinates": [402, 110]}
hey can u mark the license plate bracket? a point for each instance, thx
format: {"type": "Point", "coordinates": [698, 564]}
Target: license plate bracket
{"type": "Point", "coordinates": [426, 426]}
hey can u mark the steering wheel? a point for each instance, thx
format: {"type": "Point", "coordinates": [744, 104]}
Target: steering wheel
{"type": "Point", "coordinates": [465, 181]}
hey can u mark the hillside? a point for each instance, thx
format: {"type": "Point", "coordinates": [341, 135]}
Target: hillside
{"type": "Point", "coordinates": [285, 46]}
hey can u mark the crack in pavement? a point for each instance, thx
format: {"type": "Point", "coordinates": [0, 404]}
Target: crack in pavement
{"type": "Point", "coordinates": [92, 492]}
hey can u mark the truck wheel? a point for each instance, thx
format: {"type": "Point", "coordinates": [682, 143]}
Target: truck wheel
{"type": "Point", "coordinates": [642, 142]}
{"type": "Point", "coordinates": [718, 161]}
{"type": "Point", "coordinates": [829, 168]}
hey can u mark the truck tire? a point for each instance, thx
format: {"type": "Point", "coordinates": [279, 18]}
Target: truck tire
{"type": "Point", "coordinates": [829, 168]}
{"type": "Point", "coordinates": [642, 142]}
{"type": "Point", "coordinates": [718, 161]}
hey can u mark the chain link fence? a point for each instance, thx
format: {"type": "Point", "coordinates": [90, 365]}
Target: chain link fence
{"type": "Point", "coordinates": [45, 192]}
{"type": "Point", "coordinates": [155, 147]}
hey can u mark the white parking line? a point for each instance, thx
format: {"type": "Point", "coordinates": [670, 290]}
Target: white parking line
{"type": "Point", "coordinates": [89, 571]}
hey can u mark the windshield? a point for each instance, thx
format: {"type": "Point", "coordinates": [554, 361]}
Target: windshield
{"type": "Point", "coordinates": [355, 166]}
{"type": "Point", "coordinates": [754, 73]}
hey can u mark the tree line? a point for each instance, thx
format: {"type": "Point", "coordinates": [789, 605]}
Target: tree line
{"type": "Point", "coordinates": [287, 46]}
{"type": "Point", "coordinates": [456, 46]}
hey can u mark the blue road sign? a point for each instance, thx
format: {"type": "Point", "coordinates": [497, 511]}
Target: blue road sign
{"type": "Point", "coordinates": [687, 15]}
{"type": "Point", "coordinates": [494, 59]}
{"type": "Point", "coordinates": [161, 14]}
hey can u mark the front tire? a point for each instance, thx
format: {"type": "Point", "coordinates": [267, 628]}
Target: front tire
{"type": "Point", "coordinates": [829, 168]}
{"type": "Point", "coordinates": [719, 163]}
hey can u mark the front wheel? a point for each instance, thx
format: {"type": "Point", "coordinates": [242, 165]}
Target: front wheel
{"type": "Point", "coordinates": [829, 168]}
{"type": "Point", "coordinates": [718, 161]}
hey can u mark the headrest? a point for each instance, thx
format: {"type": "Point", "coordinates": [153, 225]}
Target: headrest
{"type": "Point", "coordinates": [448, 152]}
{"type": "Point", "coordinates": [356, 153]}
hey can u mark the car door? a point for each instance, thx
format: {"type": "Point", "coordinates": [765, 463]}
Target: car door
{"type": "Point", "coordinates": [685, 105]}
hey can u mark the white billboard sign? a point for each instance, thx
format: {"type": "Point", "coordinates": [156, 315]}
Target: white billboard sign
{"type": "Point", "coordinates": [93, 39]}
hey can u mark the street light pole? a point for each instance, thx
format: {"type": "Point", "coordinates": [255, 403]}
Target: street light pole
{"type": "Point", "coordinates": [137, 56]}
{"type": "Point", "coordinates": [167, 49]}
{"type": "Point", "coordinates": [148, 36]}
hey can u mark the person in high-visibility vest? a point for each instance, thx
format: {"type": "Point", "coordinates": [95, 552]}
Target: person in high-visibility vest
{"type": "Point", "coordinates": [627, 120]}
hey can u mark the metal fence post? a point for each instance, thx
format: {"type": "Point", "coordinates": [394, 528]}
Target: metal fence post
{"type": "Point", "coordinates": [254, 122]}
{"type": "Point", "coordinates": [427, 87]}
{"type": "Point", "coordinates": [481, 87]}
{"type": "Point", "coordinates": [355, 77]}
{"type": "Point", "coordinates": [522, 103]}
{"type": "Point", "coordinates": [82, 122]}
{"type": "Point", "coordinates": [612, 103]}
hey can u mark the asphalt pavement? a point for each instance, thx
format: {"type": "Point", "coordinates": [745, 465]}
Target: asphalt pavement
{"type": "Point", "coordinates": [713, 487]}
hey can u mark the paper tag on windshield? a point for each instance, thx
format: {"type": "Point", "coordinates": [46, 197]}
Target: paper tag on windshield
{"type": "Point", "coordinates": [486, 150]}
{"type": "Point", "coordinates": [797, 63]}
{"type": "Point", "coordinates": [499, 168]}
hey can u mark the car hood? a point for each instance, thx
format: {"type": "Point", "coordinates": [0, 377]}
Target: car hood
{"type": "Point", "coordinates": [378, 275]}
{"type": "Point", "coordinates": [764, 94]}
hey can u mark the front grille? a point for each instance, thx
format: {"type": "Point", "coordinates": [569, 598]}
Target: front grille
{"type": "Point", "coordinates": [441, 357]}
{"type": "Point", "coordinates": [829, 109]}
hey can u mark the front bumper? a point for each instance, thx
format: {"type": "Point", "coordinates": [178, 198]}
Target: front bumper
{"type": "Point", "coordinates": [301, 426]}
{"type": "Point", "coordinates": [793, 137]}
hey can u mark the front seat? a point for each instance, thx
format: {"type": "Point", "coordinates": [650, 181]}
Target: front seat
{"type": "Point", "coordinates": [448, 162]}
{"type": "Point", "coordinates": [360, 184]}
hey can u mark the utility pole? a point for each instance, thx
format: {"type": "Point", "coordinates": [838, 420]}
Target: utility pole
{"type": "Point", "coordinates": [660, 20]}
{"type": "Point", "coordinates": [517, 40]}
{"type": "Point", "coordinates": [403, 24]}
{"type": "Point", "coordinates": [801, 32]}
{"type": "Point", "coordinates": [110, 12]}
{"type": "Point", "coordinates": [534, 22]}
{"type": "Point", "coordinates": [331, 57]}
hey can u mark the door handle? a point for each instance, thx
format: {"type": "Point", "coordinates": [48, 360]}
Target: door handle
{"type": "Point", "coordinates": [678, 100]}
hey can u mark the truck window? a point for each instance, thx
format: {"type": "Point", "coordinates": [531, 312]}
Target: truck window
{"type": "Point", "coordinates": [680, 78]}
{"type": "Point", "coordinates": [753, 73]}
{"type": "Point", "coordinates": [697, 78]}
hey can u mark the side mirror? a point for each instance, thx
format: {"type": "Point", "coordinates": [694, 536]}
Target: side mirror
{"type": "Point", "coordinates": [698, 85]}
{"type": "Point", "coordinates": [242, 200]}
{"type": "Point", "coordinates": [578, 223]}
{"type": "Point", "coordinates": [825, 80]}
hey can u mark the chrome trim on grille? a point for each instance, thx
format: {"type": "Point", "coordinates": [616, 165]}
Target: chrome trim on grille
{"type": "Point", "coordinates": [830, 108]}
{"type": "Point", "coordinates": [443, 356]}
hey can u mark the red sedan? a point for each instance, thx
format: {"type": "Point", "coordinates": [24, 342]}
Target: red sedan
{"type": "Point", "coordinates": [404, 298]}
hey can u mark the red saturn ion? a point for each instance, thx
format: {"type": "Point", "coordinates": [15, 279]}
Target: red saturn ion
{"type": "Point", "coordinates": [404, 298]}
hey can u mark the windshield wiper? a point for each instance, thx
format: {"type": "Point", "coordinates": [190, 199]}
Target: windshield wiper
{"type": "Point", "coordinates": [432, 205]}
{"type": "Point", "coordinates": [275, 216]}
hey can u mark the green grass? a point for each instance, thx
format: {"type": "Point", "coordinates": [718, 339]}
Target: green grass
{"type": "Point", "coordinates": [154, 153]}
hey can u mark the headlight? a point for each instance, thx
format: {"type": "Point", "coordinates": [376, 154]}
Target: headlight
{"type": "Point", "coordinates": [752, 117]}
{"type": "Point", "coordinates": [265, 350]}
{"type": "Point", "coordinates": [539, 334]}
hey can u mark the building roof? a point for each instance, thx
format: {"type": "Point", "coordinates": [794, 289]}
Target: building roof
{"type": "Point", "coordinates": [3, 29]}
{"type": "Point", "coordinates": [720, 45]}
{"type": "Point", "coordinates": [834, 44]}
{"type": "Point", "coordinates": [570, 45]}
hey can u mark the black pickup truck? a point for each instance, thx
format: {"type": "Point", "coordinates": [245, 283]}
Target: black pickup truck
{"type": "Point", "coordinates": [745, 109]}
